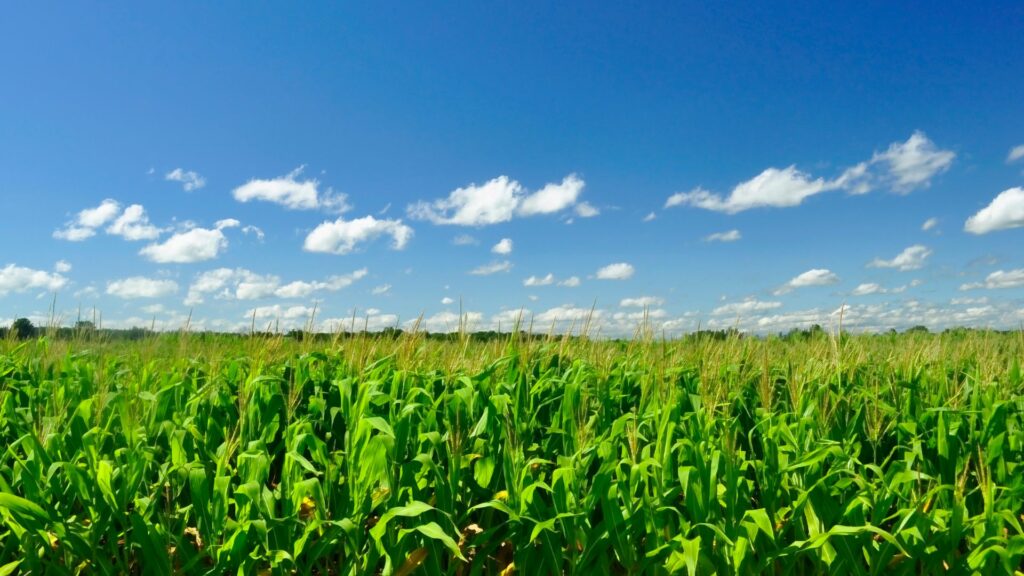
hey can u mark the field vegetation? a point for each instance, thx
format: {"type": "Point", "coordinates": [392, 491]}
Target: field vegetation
{"type": "Point", "coordinates": [403, 454]}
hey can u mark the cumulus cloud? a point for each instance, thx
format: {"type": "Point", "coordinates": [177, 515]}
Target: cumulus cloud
{"type": "Point", "coordinates": [1005, 211]}
{"type": "Point", "coordinates": [540, 280]}
{"type": "Point", "coordinates": [553, 197]}
{"type": "Point", "coordinates": [586, 210]}
{"type": "Point", "coordinates": [448, 321]}
{"type": "Point", "coordinates": [1016, 153]}
{"type": "Point", "coordinates": [867, 288]}
{"type": "Point", "coordinates": [343, 236]}
{"type": "Point", "coordinates": [498, 200]}
{"type": "Point", "coordinates": [929, 224]}
{"type": "Point", "coordinates": [447, 301]}
{"type": "Point", "coordinates": [302, 289]}
{"type": "Point", "coordinates": [912, 258]}
{"type": "Point", "coordinates": [771, 188]}
{"type": "Point", "coordinates": [912, 164]}
{"type": "Point", "coordinates": [133, 224]}
{"type": "Point", "coordinates": [242, 284]}
{"type": "Point", "coordinates": [280, 312]}
{"type": "Point", "coordinates": [567, 314]}
{"type": "Point", "coordinates": [189, 179]}
{"type": "Point", "coordinates": [641, 302]}
{"type": "Point", "coordinates": [382, 289]}
{"type": "Point", "coordinates": [465, 240]}
{"type": "Point", "coordinates": [492, 268]}
{"type": "Point", "coordinates": [903, 167]}
{"type": "Point", "coordinates": [84, 225]}
{"type": "Point", "coordinates": [616, 271]}
{"type": "Point", "coordinates": [999, 279]}
{"type": "Point", "coordinates": [550, 279]}
{"type": "Point", "coordinates": [15, 278]}
{"type": "Point", "coordinates": [250, 229]}
{"type": "Point", "coordinates": [62, 266]}
{"type": "Point", "coordinates": [730, 236]}
{"type": "Point", "coordinates": [651, 215]}
{"type": "Point", "coordinates": [503, 247]}
{"type": "Point", "coordinates": [292, 193]}
{"type": "Point", "coordinates": [744, 307]}
{"type": "Point", "coordinates": [195, 245]}
{"type": "Point", "coordinates": [141, 287]}
{"type": "Point", "coordinates": [813, 277]}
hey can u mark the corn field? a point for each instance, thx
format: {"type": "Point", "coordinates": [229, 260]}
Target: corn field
{"type": "Point", "coordinates": [895, 454]}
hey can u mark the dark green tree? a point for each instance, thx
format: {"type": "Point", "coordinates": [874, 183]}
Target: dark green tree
{"type": "Point", "coordinates": [23, 329]}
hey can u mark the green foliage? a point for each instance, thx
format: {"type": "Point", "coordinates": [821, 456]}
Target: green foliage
{"type": "Point", "coordinates": [23, 329]}
{"type": "Point", "coordinates": [715, 454]}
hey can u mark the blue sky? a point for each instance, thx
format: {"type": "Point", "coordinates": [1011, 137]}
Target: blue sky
{"type": "Point", "coordinates": [367, 159]}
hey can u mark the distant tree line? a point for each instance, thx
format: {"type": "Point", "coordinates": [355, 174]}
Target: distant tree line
{"type": "Point", "coordinates": [24, 329]}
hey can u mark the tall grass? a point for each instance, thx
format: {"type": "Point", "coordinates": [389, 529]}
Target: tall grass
{"type": "Point", "coordinates": [210, 455]}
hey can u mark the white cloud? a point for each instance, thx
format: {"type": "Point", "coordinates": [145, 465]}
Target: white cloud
{"type": "Point", "coordinates": [730, 236]}
{"type": "Point", "coordinates": [209, 282]}
{"type": "Point", "coordinates": [503, 247]}
{"type": "Point", "coordinates": [745, 307]}
{"type": "Point", "coordinates": [382, 289]}
{"type": "Point", "coordinates": [904, 166]}
{"type": "Point", "coordinates": [465, 240]}
{"type": "Point", "coordinates": [641, 302]}
{"type": "Point", "coordinates": [492, 268]}
{"type": "Point", "coordinates": [491, 203]}
{"type": "Point", "coordinates": [448, 321]}
{"type": "Point", "coordinates": [242, 284]}
{"type": "Point", "coordinates": [447, 301]}
{"type": "Point", "coordinates": [929, 224]}
{"type": "Point", "coordinates": [190, 180]}
{"type": "Point", "coordinates": [912, 258]}
{"type": "Point", "coordinates": [999, 279]}
{"type": "Point", "coordinates": [74, 233]}
{"type": "Point", "coordinates": [100, 215]}
{"type": "Point", "coordinates": [1004, 212]}
{"type": "Point", "coordinates": [507, 319]}
{"type": "Point", "coordinates": [292, 193]}
{"type": "Point", "coordinates": [280, 312]}
{"type": "Point", "coordinates": [253, 230]}
{"type": "Point", "coordinates": [552, 197]}
{"type": "Point", "coordinates": [586, 210]}
{"type": "Point", "coordinates": [540, 280]}
{"type": "Point", "coordinates": [567, 314]}
{"type": "Point", "coordinates": [227, 223]}
{"type": "Point", "coordinates": [1016, 153]}
{"type": "Point", "coordinates": [342, 236]}
{"type": "Point", "coordinates": [154, 309]}
{"type": "Point", "coordinates": [301, 289]}
{"type": "Point", "coordinates": [813, 277]}
{"type": "Point", "coordinates": [651, 215]}
{"type": "Point", "coordinates": [141, 287]}
{"type": "Point", "coordinates": [133, 224]}
{"type": "Point", "coordinates": [912, 164]}
{"type": "Point", "coordinates": [19, 279]}
{"type": "Point", "coordinates": [868, 288]}
{"type": "Point", "coordinates": [497, 200]}
{"type": "Point", "coordinates": [195, 245]}
{"type": "Point", "coordinates": [570, 282]}
{"type": "Point", "coordinates": [87, 221]}
{"type": "Point", "coordinates": [616, 271]}
{"type": "Point", "coordinates": [255, 286]}
{"type": "Point", "coordinates": [371, 320]}
{"type": "Point", "coordinates": [62, 266]}
{"type": "Point", "coordinates": [771, 188]}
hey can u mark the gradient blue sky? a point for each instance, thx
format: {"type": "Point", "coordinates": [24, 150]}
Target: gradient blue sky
{"type": "Point", "coordinates": [824, 135]}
